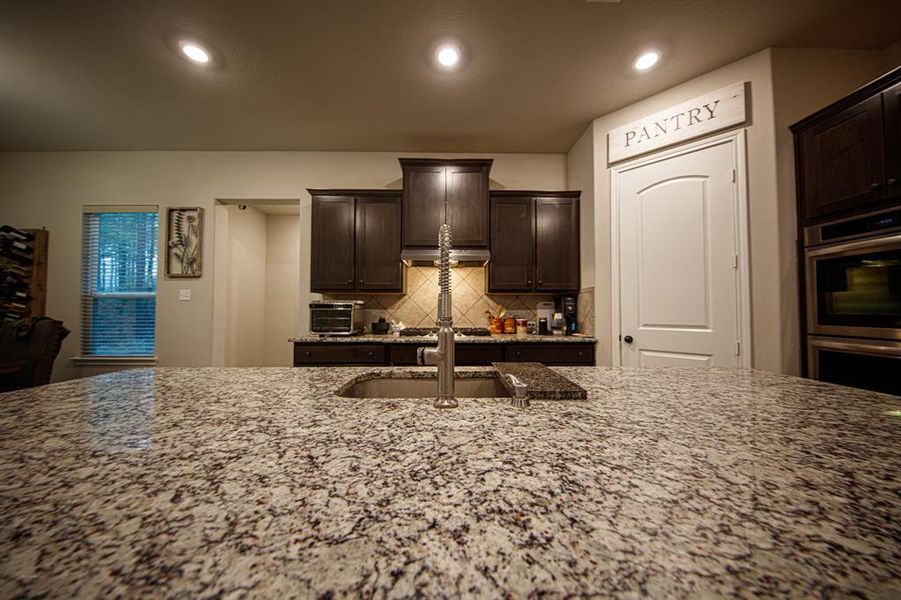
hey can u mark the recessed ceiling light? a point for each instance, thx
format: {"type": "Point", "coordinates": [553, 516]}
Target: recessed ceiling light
{"type": "Point", "coordinates": [448, 56]}
{"type": "Point", "coordinates": [646, 61]}
{"type": "Point", "coordinates": [195, 53]}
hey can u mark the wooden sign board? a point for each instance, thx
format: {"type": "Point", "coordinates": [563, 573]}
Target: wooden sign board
{"type": "Point", "coordinates": [702, 115]}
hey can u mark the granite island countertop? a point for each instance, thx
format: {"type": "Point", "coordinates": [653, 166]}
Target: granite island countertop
{"type": "Point", "coordinates": [369, 338]}
{"type": "Point", "coordinates": [664, 482]}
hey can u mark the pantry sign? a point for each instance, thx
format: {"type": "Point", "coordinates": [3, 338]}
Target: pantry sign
{"type": "Point", "coordinates": [702, 115]}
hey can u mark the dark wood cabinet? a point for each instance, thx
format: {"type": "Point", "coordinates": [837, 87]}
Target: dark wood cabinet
{"type": "Point", "coordinates": [440, 191]}
{"type": "Point", "coordinates": [534, 242]}
{"type": "Point", "coordinates": [423, 204]}
{"type": "Point", "coordinates": [512, 266]}
{"type": "Point", "coordinates": [843, 160]}
{"type": "Point", "coordinates": [329, 354]}
{"type": "Point", "coordinates": [467, 204]}
{"type": "Point", "coordinates": [470, 354]}
{"type": "Point", "coordinates": [332, 243]}
{"type": "Point", "coordinates": [557, 244]}
{"type": "Point", "coordinates": [848, 155]}
{"type": "Point", "coordinates": [891, 105]}
{"type": "Point", "coordinates": [355, 241]}
{"type": "Point", "coordinates": [378, 238]}
{"type": "Point", "coordinates": [571, 353]}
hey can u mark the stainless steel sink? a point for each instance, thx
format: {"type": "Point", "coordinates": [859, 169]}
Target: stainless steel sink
{"type": "Point", "coordinates": [398, 386]}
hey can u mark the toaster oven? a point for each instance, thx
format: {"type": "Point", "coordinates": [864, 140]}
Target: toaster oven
{"type": "Point", "coordinates": [336, 318]}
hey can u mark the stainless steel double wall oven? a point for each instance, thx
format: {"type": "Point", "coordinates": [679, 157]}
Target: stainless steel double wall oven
{"type": "Point", "coordinates": [853, 300]}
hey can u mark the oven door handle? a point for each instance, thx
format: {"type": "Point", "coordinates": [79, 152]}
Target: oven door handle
{"type": "Point", "coordinates": [851, 248]}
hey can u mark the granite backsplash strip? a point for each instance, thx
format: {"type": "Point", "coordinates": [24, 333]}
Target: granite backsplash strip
{"type": "Point", "coordinates": [585, 311]}
{"type": "Point", "coordinates": [419, 306]}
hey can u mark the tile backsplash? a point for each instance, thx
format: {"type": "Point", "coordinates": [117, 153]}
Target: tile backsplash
{"type": "Point", "coordinates": [419, 306]}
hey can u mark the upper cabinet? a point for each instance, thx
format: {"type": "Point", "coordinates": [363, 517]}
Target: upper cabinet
{"type": "Point", "coordinates": [891, 106]}
{"type": "Point", "coordinates": [534, 242]}
{"type": "Point", "coordinates": [356, 241]}
{"type": "Point", "coordinates": [848, 153]}
{"type": "Point", "coordinates": [440, 191]}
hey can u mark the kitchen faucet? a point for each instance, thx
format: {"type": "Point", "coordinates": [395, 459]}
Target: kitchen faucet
{"type": "Point", "coordinates": [443, 355]}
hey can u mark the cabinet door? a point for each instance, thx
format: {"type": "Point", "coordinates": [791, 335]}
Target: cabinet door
{"type": "Point", "coordinates": [332, 251]}
{"type": "Point", "coordinates": [467, 205]}
{"type": "Point", "coordinates": [557, 244]}
{"type": "Point", "coordinates": [424, 201]}
{"type": "Point", "coordinates": [378, 244]}
{"type": "Point", "coordinates": [891, 104]}
{"type": "Point", "coordinates": [512, 266]}
{"type": "Point", "coordinates": [842, 161]}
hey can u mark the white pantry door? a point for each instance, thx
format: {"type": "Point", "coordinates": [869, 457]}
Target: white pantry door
{"type": "Point", "coordinates": [679, 260]}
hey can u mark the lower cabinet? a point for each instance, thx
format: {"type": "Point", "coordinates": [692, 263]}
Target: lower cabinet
{"type": "Point", "coordinates": [551, 354]}
{"type": "Point", "coordinates": [358, 354]}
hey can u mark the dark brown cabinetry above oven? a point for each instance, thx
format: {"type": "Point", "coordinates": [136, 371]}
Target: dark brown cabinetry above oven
{"type": "Point", "coordinates": [848, 156]}
{"type": "Point", "coordinates": [534, 242]}
{"type": "Point", "coordinates": [356, 237]}
{"type": "Point", "coordinates": [438, 191]}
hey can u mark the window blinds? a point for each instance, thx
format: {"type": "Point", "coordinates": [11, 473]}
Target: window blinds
{"type": "Point", "coordinates": [119, 266]}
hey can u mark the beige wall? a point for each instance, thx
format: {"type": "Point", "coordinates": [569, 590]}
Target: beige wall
{"type": "Point", "coordinates": [47, 189]}
{"type": "Point", "coordinates": [785, 85]}
{"type": "Point", "coordinates": [580, 176]}
{"type": "Point", "coordinates": [245, 294]}
{"type": "Point", "coordinates": [761, 192]}
{"type": "Point", "coordinates": [801, 86]}
{"type": "Point", "coordinates": [282, 303]}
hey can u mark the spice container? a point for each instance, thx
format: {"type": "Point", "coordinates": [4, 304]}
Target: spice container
{"type": "Point", "coordinates": [522, 327]}
{"type": "Point", "coordinates": [495, 326]}
{"type": "Point", "coordinates": [509, 325]}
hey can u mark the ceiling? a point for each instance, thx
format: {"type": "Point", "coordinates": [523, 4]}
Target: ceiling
{"type": "Point", "coordinates": [359, 75]}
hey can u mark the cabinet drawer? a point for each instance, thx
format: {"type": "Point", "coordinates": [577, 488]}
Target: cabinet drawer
{"type": "Point", "coordinates": [563, 353]}
{"type": "Point", "coordinates": [469, 355]}
{"type": "Point", "coordinates": [331, 353]}
{"type": "Point", "coordinates": [401, 355]}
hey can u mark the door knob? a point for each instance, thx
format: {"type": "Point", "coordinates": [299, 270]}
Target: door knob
{"type": "Point", "coordinates": [628, 339]}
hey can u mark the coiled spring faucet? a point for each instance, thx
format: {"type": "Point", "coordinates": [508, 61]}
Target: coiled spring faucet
{"type": "Point", "coordinates": [443, 355]}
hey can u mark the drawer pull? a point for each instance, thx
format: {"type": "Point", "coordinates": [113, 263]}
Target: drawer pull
{"type": "Point", "coordinates": [308, 353]}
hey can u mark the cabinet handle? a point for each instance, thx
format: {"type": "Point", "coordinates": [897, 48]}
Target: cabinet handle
{"type": "Point", "coordinates": [529, 281]}
{"type": "Point", "coordinates": [371, 354]}
{"type": "Point", "coordinates": [350, 282]}
{"type": "Point", "coordinates": [579, 355]}
{"type": "Point", "coordinates": [875, 186]}
{"type": "Point", "coordinates": [540, 282]}
{"type": "Point", "coordinates": [892, 181]}
{"type": "Point", "coordinates": [307, 353]}
{"type": "Point", "coordinates": [361, 282]}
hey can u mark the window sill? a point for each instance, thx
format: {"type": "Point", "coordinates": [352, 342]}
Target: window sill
{"type": "Point", "coordinates": [113, 361]}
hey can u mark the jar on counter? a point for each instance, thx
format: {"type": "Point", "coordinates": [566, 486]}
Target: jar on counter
{"type": "Point", "coordinates": [522, 327]}
{"type": "Point", "coordinates": [509, 325]}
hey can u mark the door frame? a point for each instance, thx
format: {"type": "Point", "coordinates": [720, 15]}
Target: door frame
{"type": "Point", "coordinates": [738, 138]}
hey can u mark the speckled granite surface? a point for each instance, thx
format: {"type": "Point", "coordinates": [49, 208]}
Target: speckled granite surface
{"type": "Point", "coordinates": [459, 339]}
{"type": "Point", "coordinates": [665, 483]}
{"type": "Point", "coordinates": [544, 383]}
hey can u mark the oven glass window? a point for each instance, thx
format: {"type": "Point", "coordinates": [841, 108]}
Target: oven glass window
{"type": "Point", "coordinates": [860, 291]}
{"type": "Point", "coordinates": [337, 320]}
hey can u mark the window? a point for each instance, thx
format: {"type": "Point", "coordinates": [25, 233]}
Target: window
{"type": "Point", "coordinates": [118, 290]}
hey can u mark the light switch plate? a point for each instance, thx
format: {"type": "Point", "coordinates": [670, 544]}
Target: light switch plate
{"type": "Point", "coordinates": [184, 294]}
